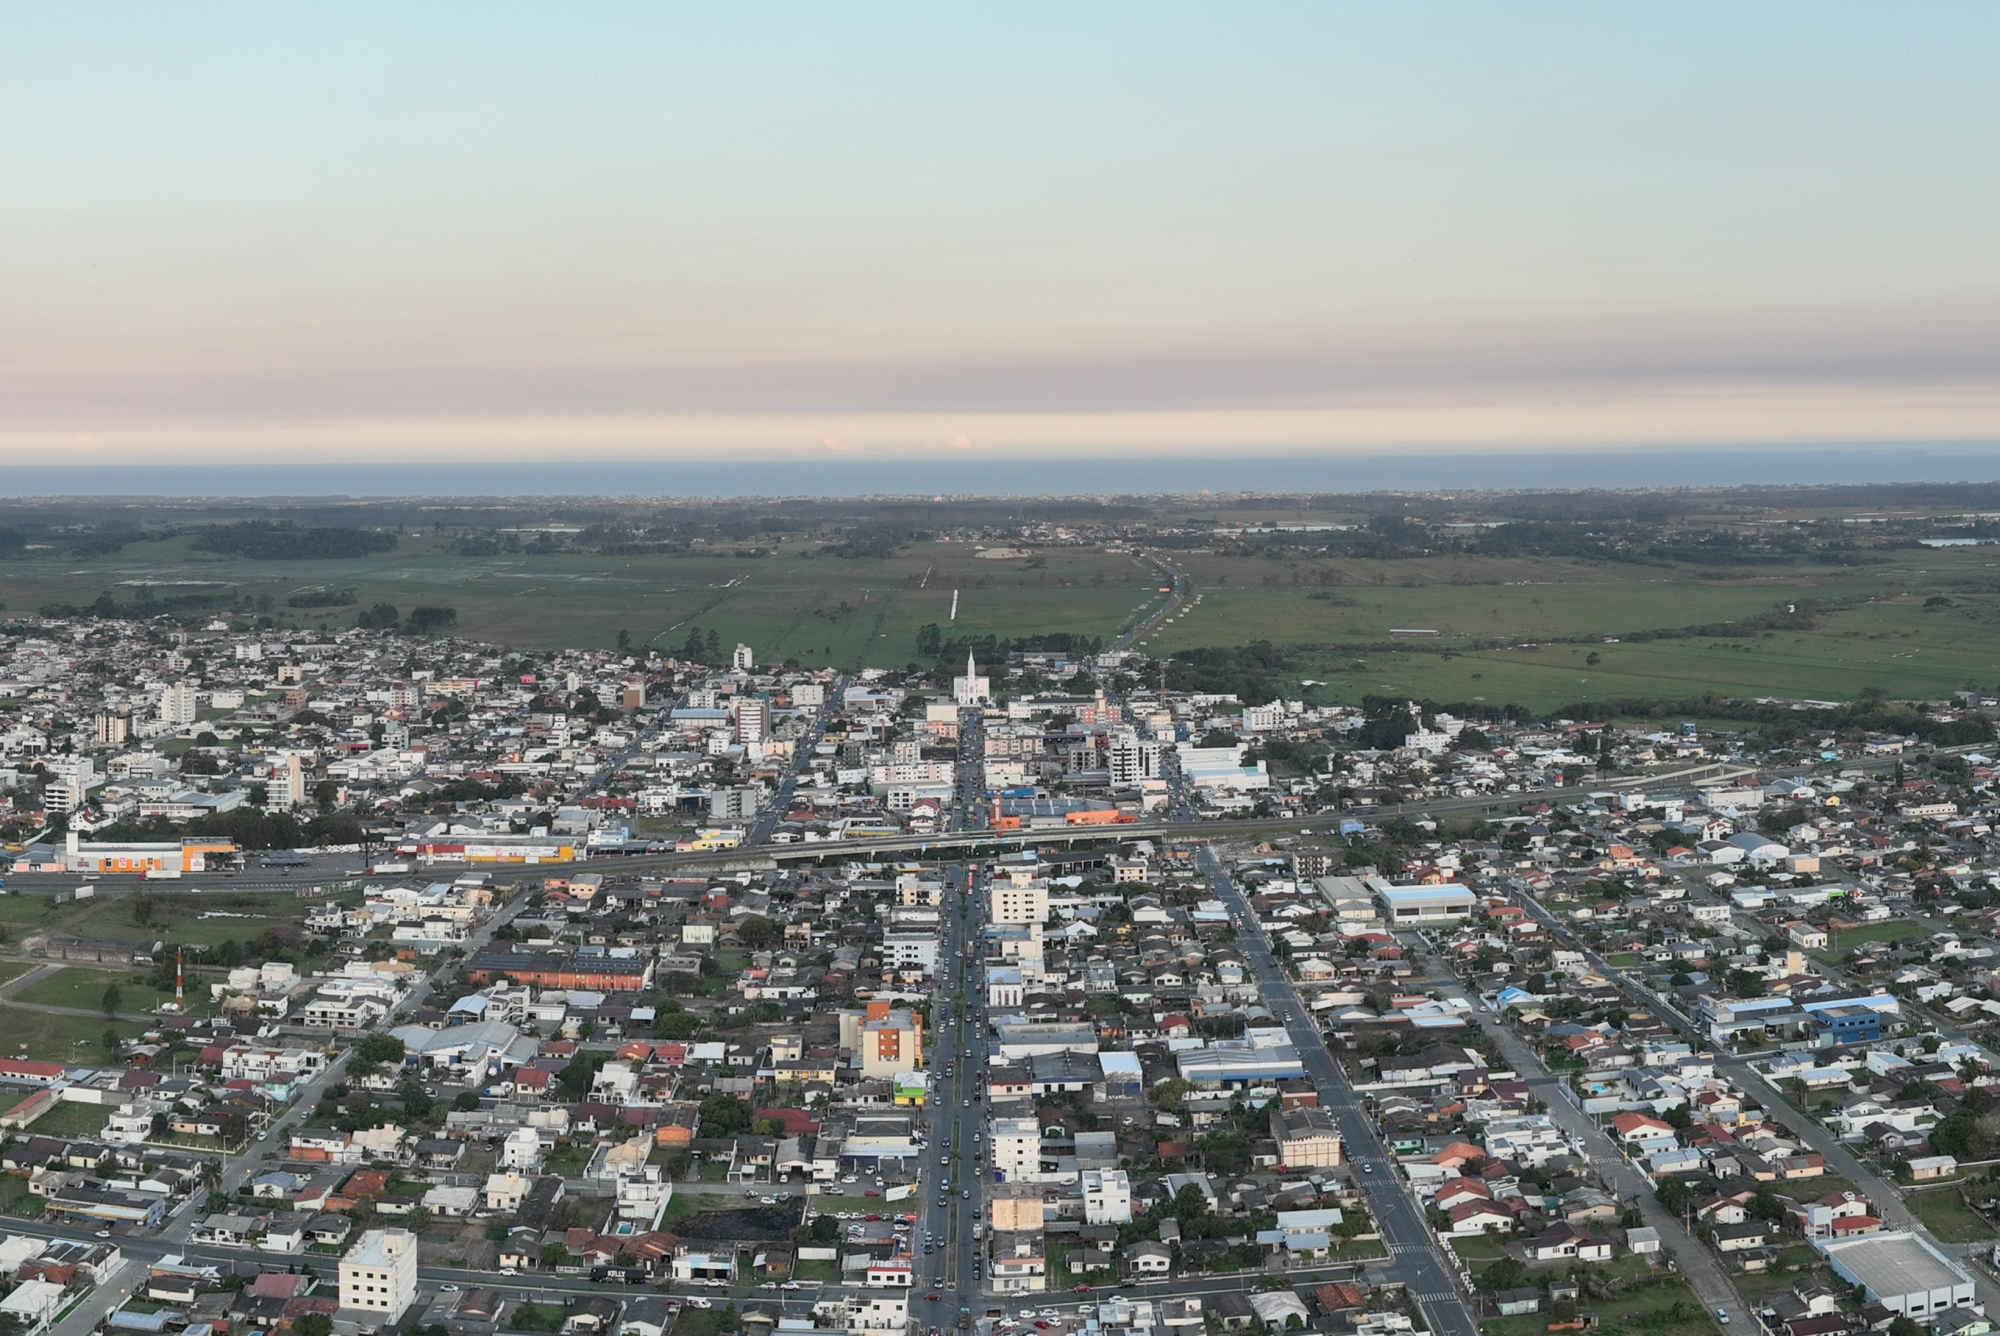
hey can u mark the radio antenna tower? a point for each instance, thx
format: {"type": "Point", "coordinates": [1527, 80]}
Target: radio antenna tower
{"type": "Point", "coordinates": [180, 980]}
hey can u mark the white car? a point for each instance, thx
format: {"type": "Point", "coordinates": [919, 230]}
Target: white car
{"type": "Point", "coordinates": [696, 1301]}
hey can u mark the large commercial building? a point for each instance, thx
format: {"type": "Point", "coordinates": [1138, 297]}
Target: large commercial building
{"type": "Point", "coordinates": [1215, 1065]}
{"type": "Point", "coordinates": [1416, 905]}
{"type": "Point", "coordinates": [378, 1276]}
{"type": "Point", "coordinates": [188, 855]}
{"type": "Point", "coordinates": [563, 969]}
{"type": "Point", "coordinates": [1901, 1272]}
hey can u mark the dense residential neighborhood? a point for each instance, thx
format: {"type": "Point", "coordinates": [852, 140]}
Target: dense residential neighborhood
{"type": "Point", "coordinates": [620, 992]}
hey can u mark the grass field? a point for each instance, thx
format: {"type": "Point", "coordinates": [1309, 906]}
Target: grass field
{"type": "Point", "coordinates": [208, 919]}
{"type": "Point", "coordinates": [1948, 1217]}
{"type": "Point", "coordinates": [74, 986]}
{"type": "Point", "coordinates": [1889, 930]}
{"type": "Point", "coordinates": [1649, 1309]}
{"type": "Point", "coordinates": [822, 609]}
{"type": "Point", "coordinates": [49, 1036]}
{"type": "Point", "coordinates": [71, 1119]}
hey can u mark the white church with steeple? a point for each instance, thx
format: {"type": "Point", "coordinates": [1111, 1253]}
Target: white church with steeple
{"type": "Point", "coordinates": [972, 689]}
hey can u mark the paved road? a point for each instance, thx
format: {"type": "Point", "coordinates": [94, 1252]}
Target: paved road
{"type": "Point", "coordinates": [1415, 1252]}
{"type": "Point", "coordinates": [802, 753]}
{"type": "Point", "coordinates": [1177, 595]}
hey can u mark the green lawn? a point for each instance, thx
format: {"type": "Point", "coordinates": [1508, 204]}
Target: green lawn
{"type": "Point", "coordinates": [16, 1200]}
{"type": "Point", "coordinates": [1948, 1217]}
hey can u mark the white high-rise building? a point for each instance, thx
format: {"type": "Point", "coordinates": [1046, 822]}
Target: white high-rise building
{"type": "Point", "coordinates": [1017, 1149]}
{"type": "Point", "coordinates": [177, 705]}
{"type": "Point", "coordinates": [379, 1274]}
{"type": "Point", "coordinates": [1019, 898]}
{"type": "Point", "coordinates": [743, 660]}
{"type": "Point", "coordinates": [1133, 759]}
{"type": "Point", "coordinates": [972, 689]}
{"type": "Point", "coordinates": [753, 718]}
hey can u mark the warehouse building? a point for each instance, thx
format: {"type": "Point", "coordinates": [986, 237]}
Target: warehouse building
{"type": "Point", "coordinates": [1901, 1272]}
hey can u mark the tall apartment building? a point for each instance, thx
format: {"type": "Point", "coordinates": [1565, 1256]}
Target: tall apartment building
{"type": "Point", "coordinates": [734, 804]}
{"type": "Point", "coordinates": [379, 1274]}
{"type": "Point", "coordinates": [113, 727]}
{"type": "Point", "coordinates": [288, 783]}
{"type": "Point", "coordinates": [1133, 759]}
{"type": "Point", "coordinates": [753, 720]}
{"type": "Point", "coordinates": [1019, 897]}
{"type": "Point", "coordinates": [889, 1040]}
{"type": "Point", "coordinates": [743, 660]}
{"type": "Point", "coordinates": [1017, 1149]}
{"type": "Point", "coordinates": [177, 705]}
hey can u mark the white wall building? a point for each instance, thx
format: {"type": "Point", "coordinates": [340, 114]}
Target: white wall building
{"type": "Point", "coordinates": [379, 1273]}
{"type": "Point", "coordinates": [1017, 1149]}
{"type": "Point", "coordinates": [1107, 1197]}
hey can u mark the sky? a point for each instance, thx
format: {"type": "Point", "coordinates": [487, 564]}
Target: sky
{"type": "Point", "coordinates": [455, 232]}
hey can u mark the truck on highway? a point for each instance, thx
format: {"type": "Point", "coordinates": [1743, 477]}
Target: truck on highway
{"type": "Point", "coordinates": [385, 869]}
{"type": "Point", "coordinates": [161, 874]}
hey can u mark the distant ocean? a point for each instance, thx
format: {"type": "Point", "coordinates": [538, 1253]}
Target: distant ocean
{"type": "Point", "coordinates": [1704, 467]}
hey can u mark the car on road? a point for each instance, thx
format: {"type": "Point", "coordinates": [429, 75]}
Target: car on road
{"type": "Point", "coordinates": [696, 1301]}
{"type": "Point", "coordinates": [933, 1297]}
{"type": "Point", "coordinates": [967, 1194]}
{"type": "Point", "coordinates": [768, 1201]}
{"type": "Point", "coordinates": [768, 1285]}
{"type": "Point", "coordinates": [1722, 1316]}
{"type": "Point", "coordinates": [1083, 1289]}
{"type": "Point", "coordinates": [448, 1289]}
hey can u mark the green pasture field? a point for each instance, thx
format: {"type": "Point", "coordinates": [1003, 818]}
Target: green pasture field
{"type": "Point", "coordinates": [818, 609]}
{"type": "Point", "coordinates": [1886, 639]}
{"type": "Point", "coordinates": [793, 604]}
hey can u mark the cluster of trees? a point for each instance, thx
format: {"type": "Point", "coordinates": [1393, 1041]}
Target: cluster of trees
{"type": "Point", "coordinates": [320, 597]}
{"type": "Point", "coordinates": [279, 540]}
{"type": "Point", "coordinates": [1782, 724]}
{"type": "Point", "coordinates": [251, 828]}
{"type": "Point", "coordinates": [387, 617]}
{"type": "Point", "coordinates": [932, 644]}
